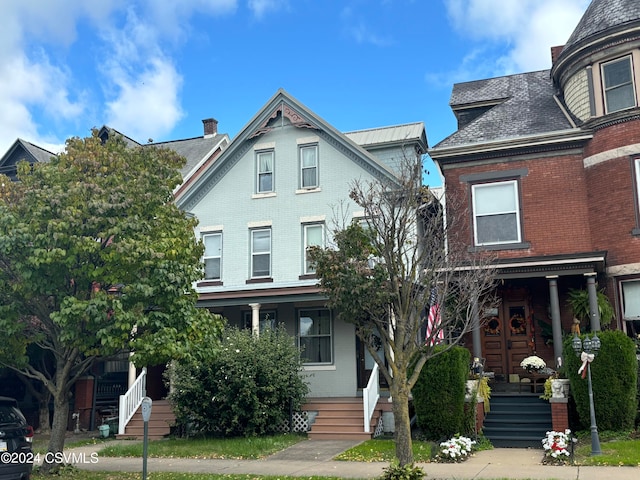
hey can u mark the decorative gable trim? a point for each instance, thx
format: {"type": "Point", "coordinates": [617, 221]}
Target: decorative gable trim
{"type": "Point", "coordinates": [297, 120]}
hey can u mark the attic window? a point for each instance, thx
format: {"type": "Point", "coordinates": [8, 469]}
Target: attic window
{"type": "Point", "coordinates": [618, 88]}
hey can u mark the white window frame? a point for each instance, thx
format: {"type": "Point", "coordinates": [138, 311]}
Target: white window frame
{"type": "Point", "coordinates": [515, 210]}
{"type": "Point", "coordinates": [212, 257]}
{"type": "Point", "coordinates": [623, 303]}
{"type": "Point", "coordinates": [255, 253]}
{"type": "Point", "coordinates": [305, 254]}
{"type": "Point", "coordinates": [329, 335]}
{"type": "Point", "coordinates": [304, 168]}
{"type": "Point", "coordinates": [637, 170]}
{"type": "Point", "coordinates": [260, 174]}
{"type": "Point", "coordinates": [606, 90]}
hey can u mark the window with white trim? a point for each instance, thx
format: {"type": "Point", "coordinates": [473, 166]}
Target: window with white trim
{"type": "Point", "coordinates": [264, 168]}
{"type": "Point", "coordinates": [617, 84]}
{"type": "Point", "coordinates": [637, 170]}
{"type": "Point", "coordinates": [212, 255]}
{"type": "Point", "coordinates": [496, 213]}
{"type": "Point", "coordinates": [630, 290]}
{"type": "Point", "coordinates": [315, 335]}
{"type": "Point", "coordinates": [313, 237]}
{"type": "Point", "coordinates": [261, 253]}
{"type": "Point", "coordinates": [309, 166]}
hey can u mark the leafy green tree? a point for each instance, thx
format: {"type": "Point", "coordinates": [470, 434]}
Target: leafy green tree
{"type": "Point", "coordinates": [96, 259]}
{"type": "Point", "coordinates": [246, 387]}
{"type": "Point", "coordinates": [381, 276]}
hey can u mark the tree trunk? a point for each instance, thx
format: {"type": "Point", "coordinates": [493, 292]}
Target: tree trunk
{"type": "Point", "coordinates": [58, 432]}
{"type": "Point", "coordinates": [402, 422]}
{"type": "Point", "coordinates": [44, 420]}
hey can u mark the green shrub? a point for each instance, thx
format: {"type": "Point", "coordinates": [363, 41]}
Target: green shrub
{"type": "Point", "coordinates": [614, 378]}
{"type": "Point", "coordinates": [407, 472]}
{"type": "Point", "coordinates": [439, 393]}
{"type": "Point", "coordinates": [245, 388]}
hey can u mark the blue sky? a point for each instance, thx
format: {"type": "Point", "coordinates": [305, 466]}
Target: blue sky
{"type": "Point", "coordinates": [153, 69]}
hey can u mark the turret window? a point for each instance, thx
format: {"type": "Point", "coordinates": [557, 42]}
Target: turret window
{"type": "Point", "coordinates": [617, 82]}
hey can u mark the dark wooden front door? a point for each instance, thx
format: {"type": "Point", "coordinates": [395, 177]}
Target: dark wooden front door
{"type": "Point", "coordinates": [505, 339]}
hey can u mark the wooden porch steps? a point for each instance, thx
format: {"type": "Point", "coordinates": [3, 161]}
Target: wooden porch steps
{"type": "Point", "coordinates": [162, 418]}
{"type": "Point", "coordinates": [339, 419]}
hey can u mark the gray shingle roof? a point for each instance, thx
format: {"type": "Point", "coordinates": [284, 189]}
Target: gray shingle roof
{"type": "Point", "coordinates": [602, 15]}
{"type": "Point", "coordinates": [39, 153]}
{"type": "Point", "coordinates": [525, 106]}
{"type": "Point", "coordinates": [193, 149]}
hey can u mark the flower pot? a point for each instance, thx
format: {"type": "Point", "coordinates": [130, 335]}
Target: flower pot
{"type": "Point", "coordinates": [560, 388]}
{"type": "Point", "coordinates": [104, 430]}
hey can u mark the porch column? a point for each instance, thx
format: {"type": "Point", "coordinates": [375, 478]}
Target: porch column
{"type": "Point", "coordinates": [556, 323]}
{"type": "Point", "coordinates": [475, 332]}
{"type": "Point", "coordinates": [255, 319]}
{"type": "Point", "coordinates": [131, 374]}
{"type": "Point", "coordinates": [594, 311]}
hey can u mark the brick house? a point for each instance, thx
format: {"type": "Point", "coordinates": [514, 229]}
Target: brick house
{"type": "Point", "coordinates": [548, 163]}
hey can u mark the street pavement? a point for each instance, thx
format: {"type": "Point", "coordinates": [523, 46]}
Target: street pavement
{"type": "Point", "coordinates": [315, 457]}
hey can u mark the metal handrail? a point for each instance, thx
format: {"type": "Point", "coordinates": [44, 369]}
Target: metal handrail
{"type": "Point", "coordinates": [370, 397]}
{"type": "Point", "coordinates": [130, 401]}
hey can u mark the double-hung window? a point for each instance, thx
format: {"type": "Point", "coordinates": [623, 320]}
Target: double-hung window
{"type": "Point", "coordinates": [265, 168]}
{"type": "Point", "coordinates": [313, 237]}
{"type": "Point", "coordinates": [261, 253]}
{"type": "Point", "coordinates": [315, 335]}
{"type": "Point", "coordinates": [630, 290]}
{"type": "Point", "coordinates": [496, 213]}
{"type": "Point", "coordinates": [212, 255]}
{"type": "Point", "coordinates": [617, 83]}
{"type": "Point", "coordinates": [309, 166]}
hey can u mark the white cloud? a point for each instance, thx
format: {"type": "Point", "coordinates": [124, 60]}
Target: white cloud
{"type": "Point", "coordinates": [147, 104]}
{"type": "Point", "coordinates": [523, 30]}
{"type": "Point", "coordinates": [261, 7]}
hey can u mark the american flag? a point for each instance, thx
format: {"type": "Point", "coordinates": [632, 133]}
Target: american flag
{"type": "Point", "coordinates": [435, 334]}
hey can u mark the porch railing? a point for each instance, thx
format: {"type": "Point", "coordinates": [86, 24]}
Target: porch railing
{"type": "Point", "coordinates": [370, 397]}
{"type": "Point", "coordinates": [130, 401]}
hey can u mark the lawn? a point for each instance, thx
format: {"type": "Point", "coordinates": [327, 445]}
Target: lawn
{"type": "Point", "coordinates": [202, 448]}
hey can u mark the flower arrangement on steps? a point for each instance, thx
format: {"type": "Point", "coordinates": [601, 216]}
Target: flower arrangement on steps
{"type": "Point", "coordinates": [533, 364]}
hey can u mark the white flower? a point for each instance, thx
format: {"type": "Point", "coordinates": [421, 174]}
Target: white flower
{"type": "Point", "coordinates": [533, 362]}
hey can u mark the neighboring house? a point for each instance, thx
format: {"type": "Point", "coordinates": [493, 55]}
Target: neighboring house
{"type": "Point", "coordinates": [548, 163]}
{"type": "Point", "coordinates": [113, 377]}
{"type": "Point", "coordinates": [274, 191]}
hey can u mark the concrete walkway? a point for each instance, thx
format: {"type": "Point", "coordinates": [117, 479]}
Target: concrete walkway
{"type": "Point", "coordinates": [315, 457]}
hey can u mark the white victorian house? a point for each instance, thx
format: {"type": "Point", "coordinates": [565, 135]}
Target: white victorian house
{"type": "Point", "coordinates": [271, 193]}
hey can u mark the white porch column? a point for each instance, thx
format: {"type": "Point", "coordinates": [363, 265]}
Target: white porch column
{"type": "Point", "coordinates": [594, 310]}
{"type": "Point", "coordinates": [131, 377]}
{"type": "Point", "coordinates": [255, 319]}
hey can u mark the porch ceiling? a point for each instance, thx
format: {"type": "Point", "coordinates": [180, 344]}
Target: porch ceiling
{"type": "Point", "coordinates": [228, 298]}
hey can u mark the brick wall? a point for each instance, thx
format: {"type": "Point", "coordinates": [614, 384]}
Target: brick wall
{"type": "Point", "coordinates": [553, 204]}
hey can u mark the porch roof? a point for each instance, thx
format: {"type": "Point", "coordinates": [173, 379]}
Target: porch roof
{"type": "Point", "coordinates": [228, 298]}
{"type": "Point", "coordinates": [551, 265]}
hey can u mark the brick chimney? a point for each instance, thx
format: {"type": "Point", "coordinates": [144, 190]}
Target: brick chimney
{"type": "Point", "coordinates": [210, 127]}
{"type": "Point", "coordinates": [555, 53]}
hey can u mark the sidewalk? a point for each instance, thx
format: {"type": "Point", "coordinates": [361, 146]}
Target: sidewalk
{"type": "Point", "coordinates": [314, 457]}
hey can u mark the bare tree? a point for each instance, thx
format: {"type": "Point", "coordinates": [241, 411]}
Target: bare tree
{"type": "Point", "coordinates": [385, 273]}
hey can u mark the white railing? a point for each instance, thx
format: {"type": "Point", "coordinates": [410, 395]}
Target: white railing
{"type": "Point", "coordinates": [130, 401]}
{"type": "Point", "coordinates": [370, 397]}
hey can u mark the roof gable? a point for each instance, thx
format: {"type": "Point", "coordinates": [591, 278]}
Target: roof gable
{"type": "Point", "coordinates": [281, 108]}
{"type": "Point", "coordinates": [19, 151]}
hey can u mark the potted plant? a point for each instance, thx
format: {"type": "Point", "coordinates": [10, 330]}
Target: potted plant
{"type": "Point", "coordinates": [533, 364]}
{"type": "Point", "coordinates": [579, 302]}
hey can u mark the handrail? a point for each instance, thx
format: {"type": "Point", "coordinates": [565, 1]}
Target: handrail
{"type": "Point", "coordinates": [370, 397]}
{"type": "Point", "coordinates": [130, 401]}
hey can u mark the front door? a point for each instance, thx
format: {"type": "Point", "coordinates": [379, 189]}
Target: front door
{"type": "Point", "coordinates": [505, 339]}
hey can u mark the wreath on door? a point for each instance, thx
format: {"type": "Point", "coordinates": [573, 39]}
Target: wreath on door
{"type": "Point", "coordinates": [518, 325]}
{"type": "Point", "coordinates": [492, 327]}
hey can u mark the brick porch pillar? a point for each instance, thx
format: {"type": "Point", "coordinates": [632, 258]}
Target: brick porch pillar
{"type": "Point", "coordinates": [559, 414]}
